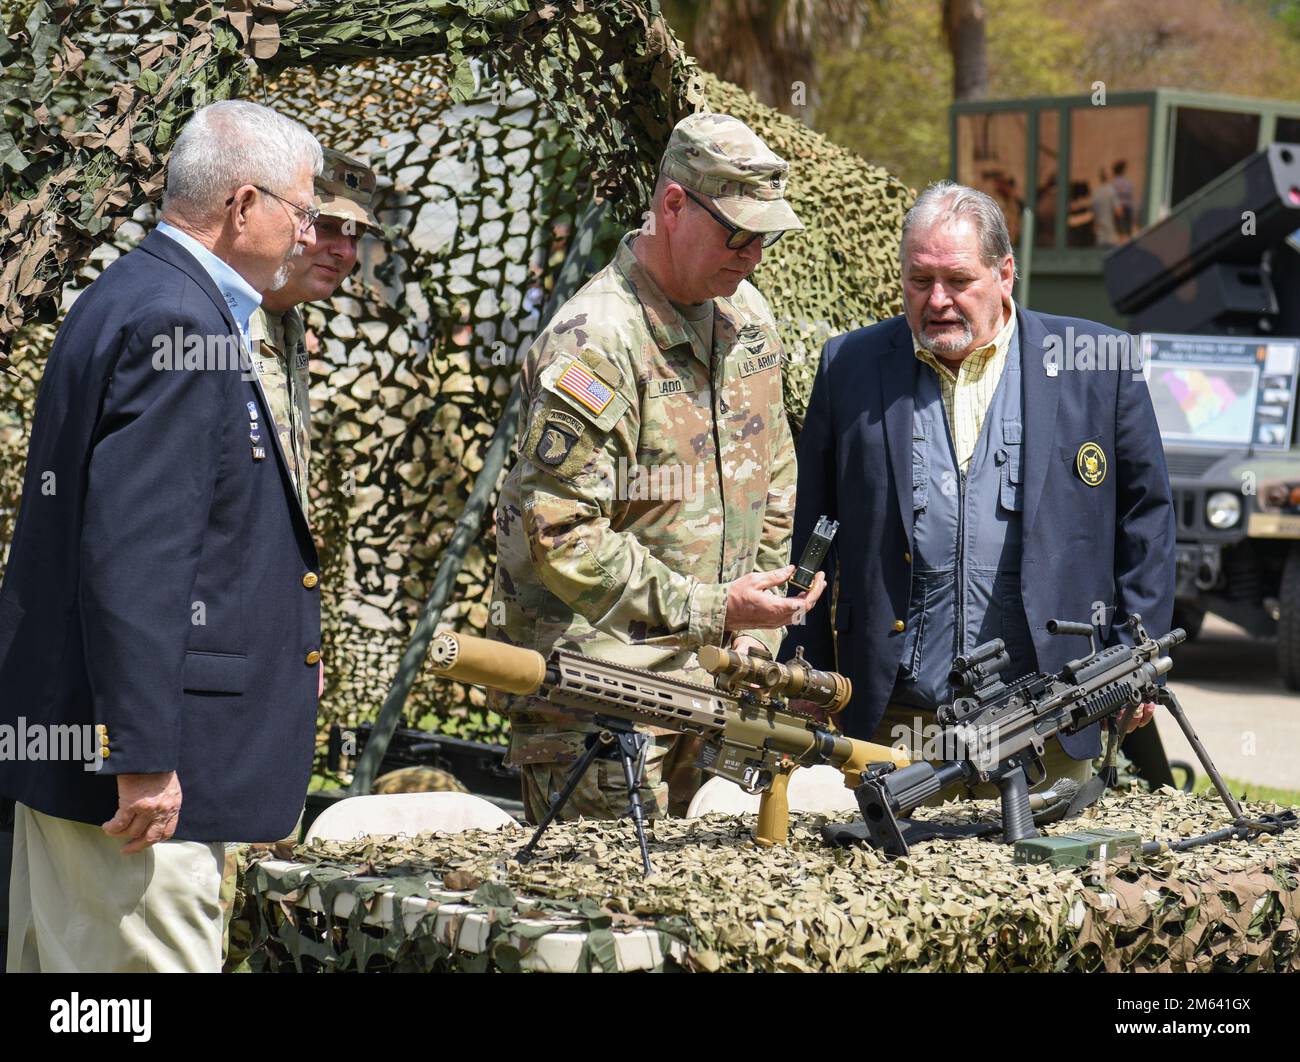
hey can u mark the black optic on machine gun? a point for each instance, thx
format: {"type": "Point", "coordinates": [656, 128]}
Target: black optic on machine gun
{"type": "Point", "coordinates": [998, 730]}
{"type": "Point", "coordinates": [750, 735]}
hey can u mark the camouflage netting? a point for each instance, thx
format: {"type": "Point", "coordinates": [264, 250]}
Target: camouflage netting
{"type": "Point", "coordinates": [719, 902]}
{"type": "Point", "coordinates": [480, 182]}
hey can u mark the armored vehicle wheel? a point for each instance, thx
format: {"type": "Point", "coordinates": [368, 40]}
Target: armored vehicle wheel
{"type": "Point", "coordinates": [1288, 624]}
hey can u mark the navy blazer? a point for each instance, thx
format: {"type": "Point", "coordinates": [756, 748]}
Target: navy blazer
{"type": "Point", "coordinates": [1113, 543]}
{"type": "Point", "coordinates": [155, 583]}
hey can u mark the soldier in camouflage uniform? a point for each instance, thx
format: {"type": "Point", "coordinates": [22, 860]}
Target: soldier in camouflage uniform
{"type": "Point", "coordinates": [344, 191]}
{"type": "Point", "coordinates": [650, 510]}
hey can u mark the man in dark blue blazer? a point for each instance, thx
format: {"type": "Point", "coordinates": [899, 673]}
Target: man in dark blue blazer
{"type": "Point", "coordinates": [991, 468]}
{"type": "Point", "coordinates": [160, 606]}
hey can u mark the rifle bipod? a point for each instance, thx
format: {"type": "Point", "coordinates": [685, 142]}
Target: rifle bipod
{"type": "Point", "coordinates": [615, 740]}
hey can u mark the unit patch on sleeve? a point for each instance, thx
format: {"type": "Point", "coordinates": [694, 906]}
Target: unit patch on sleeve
{"type": "Point", "coordinates": [560, 433]}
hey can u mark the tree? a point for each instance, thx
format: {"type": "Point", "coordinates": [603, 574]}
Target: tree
{"type": "Point", "coordinates": [964, 31]}
{"type": "Point", "coordinates": [771, 48]}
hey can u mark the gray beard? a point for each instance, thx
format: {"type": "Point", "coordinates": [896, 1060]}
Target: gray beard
{"type": "Point", "coordinates": [281, 277]}
{"type": "Point", "coordinates": [945, 346]}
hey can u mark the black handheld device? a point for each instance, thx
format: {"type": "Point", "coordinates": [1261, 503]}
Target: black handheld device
{"type": "Point", "coordinates": [813, 555]}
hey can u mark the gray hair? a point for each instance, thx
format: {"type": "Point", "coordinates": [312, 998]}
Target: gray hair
{"type": "Point", "coordinates": [230, 143]}
{"type": "Point", "coordinates": [945, 201]}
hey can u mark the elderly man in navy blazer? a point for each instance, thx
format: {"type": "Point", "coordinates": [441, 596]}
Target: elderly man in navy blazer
{"type": "Point", "coordinates": [985, 479]}
{"type": "Point", "coordinates": [161, 592]}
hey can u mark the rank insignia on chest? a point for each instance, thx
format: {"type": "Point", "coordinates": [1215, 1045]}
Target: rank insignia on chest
{"type": "Point", "coordinates": [752, 338]}
{"type": "Point", "coordinates": [1091, 464]}
{"type": "Point", "coordinates": [583, 386]}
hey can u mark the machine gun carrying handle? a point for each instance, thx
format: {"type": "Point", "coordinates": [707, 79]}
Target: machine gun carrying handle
{"type": "Point", "coordinates": [1083, 630]}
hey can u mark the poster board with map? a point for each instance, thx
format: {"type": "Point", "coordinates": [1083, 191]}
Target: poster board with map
{"type": "Point", "coordinates": [1222, 390]}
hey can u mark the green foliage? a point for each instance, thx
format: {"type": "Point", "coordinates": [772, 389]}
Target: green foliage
{"type": "Point", "coordinates": [1251, 791]}
{"type": "Point", "coordinates": [888, 99]}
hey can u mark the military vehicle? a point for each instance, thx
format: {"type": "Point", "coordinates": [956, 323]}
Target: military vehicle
{"type": "Point", "coordinates": [1174, 216]}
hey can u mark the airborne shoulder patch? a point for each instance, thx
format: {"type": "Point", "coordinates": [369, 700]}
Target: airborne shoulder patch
{"type": "Point", "coordinates": [560, 433]}
{"type": "Point", "coordinates": [559, 442]}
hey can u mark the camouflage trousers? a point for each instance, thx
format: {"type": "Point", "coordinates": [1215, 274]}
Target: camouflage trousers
{"type": "Point", "coordinates": [545, 752]}
{"type": "Point", "coordinates": [914, 729]}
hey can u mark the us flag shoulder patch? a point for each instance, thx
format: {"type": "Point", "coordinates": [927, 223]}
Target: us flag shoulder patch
{"type": "Point", "coordinates": [583, 386]}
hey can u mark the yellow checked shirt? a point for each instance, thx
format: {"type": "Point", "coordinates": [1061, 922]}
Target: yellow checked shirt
{"type": "Point", "coordinates": [968, 392]}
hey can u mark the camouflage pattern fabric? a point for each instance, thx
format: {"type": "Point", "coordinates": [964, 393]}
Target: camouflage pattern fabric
{"type": "Point", "coordinates": [236, 930]}
{"type": "Point", "coordinates": [280, 357]}
{"type": "Point", "coordinates": [652, 472]}
{"type": "Point", "coordinates": [719, 156]}
{"type": "Point", "coordinates": [952, 905]}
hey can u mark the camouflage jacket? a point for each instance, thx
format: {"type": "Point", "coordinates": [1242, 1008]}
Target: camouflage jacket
{"type": "Point", "coordinates": [281, 360]}
{"type": "Point", "coordinates": [651, 473]}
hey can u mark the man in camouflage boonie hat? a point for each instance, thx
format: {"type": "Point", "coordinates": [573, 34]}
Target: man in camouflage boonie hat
{"type": "Point", "coordinates": [650, 509]}
{"type": "Point", "coordinates": [345, 191]}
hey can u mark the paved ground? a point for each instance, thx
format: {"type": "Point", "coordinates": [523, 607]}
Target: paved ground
{"type": "Point", "coordinates": [1228, 683]}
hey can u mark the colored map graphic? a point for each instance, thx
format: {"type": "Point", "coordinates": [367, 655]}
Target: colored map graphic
{"type": "Point", "coordinates": [1204, 404]}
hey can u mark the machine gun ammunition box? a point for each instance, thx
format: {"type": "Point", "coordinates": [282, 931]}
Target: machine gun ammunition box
{"type": "Point", "coordinates": [1078, 849]}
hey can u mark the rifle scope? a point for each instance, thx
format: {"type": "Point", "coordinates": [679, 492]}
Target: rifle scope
{"type": "Point", "coordinates": [826, 689]}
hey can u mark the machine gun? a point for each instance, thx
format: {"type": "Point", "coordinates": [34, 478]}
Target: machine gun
{"type": "Point", "coordinates": [750, 734]}
{"type": "Point", "coordinates": [999, 731]}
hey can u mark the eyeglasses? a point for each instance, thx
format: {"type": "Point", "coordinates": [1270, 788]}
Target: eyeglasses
{"type": "Point", "coordinates": [737, 239]}
{"type": "Point", "coordinates": [309, 215]}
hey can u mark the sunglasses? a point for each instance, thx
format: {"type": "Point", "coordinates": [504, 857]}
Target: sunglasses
{"type": "Point", "coordinates": [308, 216]}
{"type": "Point", "coordinates": [737, 239]}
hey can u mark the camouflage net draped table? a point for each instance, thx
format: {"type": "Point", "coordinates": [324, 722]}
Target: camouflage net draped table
{"type": "Point", "coordinates": [718, 902]}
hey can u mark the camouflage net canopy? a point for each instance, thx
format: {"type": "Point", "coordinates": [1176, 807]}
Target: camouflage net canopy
{"type": "Point", "coordinates": [718, 902]}
{"type": "Point", "coordinates": [490, 125]}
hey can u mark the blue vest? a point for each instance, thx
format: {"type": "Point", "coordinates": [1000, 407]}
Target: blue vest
{"type": "Point", "coordinates": [966, 536]}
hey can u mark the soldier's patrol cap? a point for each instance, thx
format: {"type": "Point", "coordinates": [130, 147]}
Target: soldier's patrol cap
{"type": "Point", "coordinates": [345, 189]}
{"type": "Point", "coordinates": [719, 156]}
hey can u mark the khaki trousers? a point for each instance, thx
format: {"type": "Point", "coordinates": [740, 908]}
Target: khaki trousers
{"type": "Point", "coordinates": [78, 905]}
{"type": "Point", "coordinates": [916, 730]}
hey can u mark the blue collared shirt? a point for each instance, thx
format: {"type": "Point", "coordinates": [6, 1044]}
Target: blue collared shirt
{"type": "Point", "coordinates": [239, 295]}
